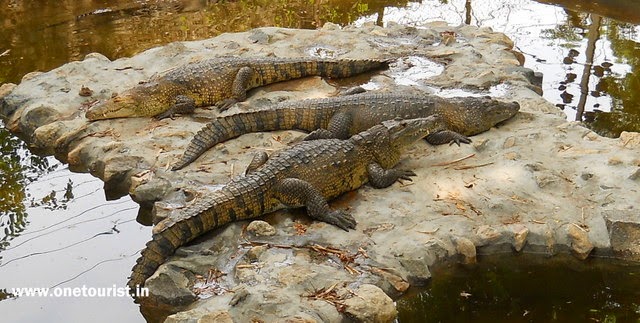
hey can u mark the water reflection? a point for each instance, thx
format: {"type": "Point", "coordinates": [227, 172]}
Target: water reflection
{"type": "Point", "coordinates": [607, 102]}
{"type": "Point", "coordinates": [564, 44]}
{"type": "Point", "coordinates": [18, 168]}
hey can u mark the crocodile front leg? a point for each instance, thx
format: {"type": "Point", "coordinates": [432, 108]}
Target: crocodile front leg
{"type": "Point", "coordinates": [238, 88]}
{"type": "Point", "coordinates": [381, 178]}
{"type": "Point", "coordinates": [183, 105]}
{"type": "Point", "coordinates": [447, 137]}
{"type": "Point", "coordinates": [293, 191]}
{"type": "Point", "coordinates": [259, 158]}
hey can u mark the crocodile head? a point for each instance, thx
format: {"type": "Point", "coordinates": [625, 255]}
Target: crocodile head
{"type": "Point", "coordinates": [472, 115]}
{"type": "Point", "coordinates": [386, 141]}
{"type": "Point", "coordinates": [119, 106]}
{"type": "Point", "coordinates": [145, 100]}
{"type": "Point", "coordinates": [403, 133]}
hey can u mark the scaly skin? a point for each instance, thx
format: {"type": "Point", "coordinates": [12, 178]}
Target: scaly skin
{"type": "Point", "coordinates": [307, 174]}
{"type": "Point", "coordinates": [221, 82]}
{"type": "Point", "coordinates": [341, 117]}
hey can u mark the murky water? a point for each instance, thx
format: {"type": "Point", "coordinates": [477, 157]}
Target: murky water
{"type": "Point", "coordinates": [527, 288]}
{"type": "Point", "coordinates": [57, 229]}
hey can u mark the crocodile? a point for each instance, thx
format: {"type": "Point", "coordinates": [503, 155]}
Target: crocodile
{"type": "Point", "coordinates": [343, 116]}
{"type": "Point", "coordinates": [221, 81]}
{"type": "Point", "coordinates": [306, 174]}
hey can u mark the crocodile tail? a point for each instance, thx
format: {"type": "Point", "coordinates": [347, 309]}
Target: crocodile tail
{"type": "Point", "coordinates": [154, 254]}
{"type": "Point", "coordinates": [222, 129]}
{"type": "Point", "coordinates": [272, 72]}
{"type": "Point", "coordinates": [232, 203]}
{"type": "Point", "coordinates": [349, 67]}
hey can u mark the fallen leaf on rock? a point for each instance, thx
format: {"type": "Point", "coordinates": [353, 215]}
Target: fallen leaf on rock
{"type": "Point", "coordinates": [300, 228]}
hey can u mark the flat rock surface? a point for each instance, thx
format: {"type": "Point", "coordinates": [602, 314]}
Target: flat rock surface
{"type": "Point", "coordinates": [535, 184]}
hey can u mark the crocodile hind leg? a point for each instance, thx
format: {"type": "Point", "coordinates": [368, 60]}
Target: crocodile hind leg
{"type": "Point", "coordinates": [293, 191]}
{"type": "Point", "coordinates": [381, 178]}
{"type": "Point", "coordinates": [338, 128]}
{"type": "Point", "coordinates": [238, 88]}
{"type": "Point", "coordinates": [182, 105]}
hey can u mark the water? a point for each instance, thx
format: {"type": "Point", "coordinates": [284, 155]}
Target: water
{"type": "Point", "coordinates": [57, 228]}
{"type": "Point", "coordinates": [527, 288]}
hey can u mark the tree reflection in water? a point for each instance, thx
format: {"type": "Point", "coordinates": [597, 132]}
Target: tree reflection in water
{"type": "Point", "coordinates": [18, 168]}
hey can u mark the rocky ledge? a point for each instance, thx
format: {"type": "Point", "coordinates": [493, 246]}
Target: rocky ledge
{"type": "Point", "coordinates": [535, 184]}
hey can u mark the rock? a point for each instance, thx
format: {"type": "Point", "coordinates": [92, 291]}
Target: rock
{"type": "Point", "coordinates": [37, 117]}
{"type": "Point", "coordinates": [370, 304]}
{"type": "Point", "coordinates": [520, 234]}
{"type": "Point", "coordinates": [399, 284]}
{"type": "Point", "coordinates": [624, 232]}
{"type": "Point", "coordinates": [630, 140]}
{"type": "Point", "coordinates": [592, 136]}
{"type": "Point", "coordinates": [30, 76]}
{"type": "Point", "coordinates": [586, 176]}
{"type": "Point", "coordinates": [579, 240]}
{"type": "Point", "coordinates": [418, 270]}
{"type": "Point", "coordinates": [301, 318]}
{"type": "Point", "coordinates": [239, 294]}
{"type": "Point", "coordinates": [216, 317]}
{"type": "Point", "coordinates": [6, 88]}
{"type": "Point", "coordinates": [480, 144]}
{"type": "Point", "coordinates": [258, 36]}
{"type": "Point", "coordinates": [487, 234]}
{"type": "Point", "coordinates": [509, 142]}
{"type": "Point", "coordinates": [199, 316]}
{"type": "Point", "coordinates": [545, 179]}
{"type": "Point", "coordinates": [261, 228]}
{"type": "Point", "coordinates": [512, 155]}
{"type": "Point", "coordinates": [467, 249]}
{"type": "Point", "coordinates": [169, 287]}
{"type": "Point", "coordinates": [153, 190]}
{"type": "Point", "coordinates": [255, 252]}
{"type": "Point", "coordinates": [615, 160]}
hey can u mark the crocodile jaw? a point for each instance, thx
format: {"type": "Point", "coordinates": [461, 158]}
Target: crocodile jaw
{"type": "Point", "coordinates": [504, 111]}
{"type": "Point", "coordinates": [405, 132]}
{"type": "Point", "coordinates": [117, 107]}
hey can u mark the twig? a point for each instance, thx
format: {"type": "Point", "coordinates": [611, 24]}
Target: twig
{"type": "Point", "coordinates": [471, 166]}
{"type": "Point", "coordinates": [429, 232]}
{"type": "Point", "coordinates": [453, 161]}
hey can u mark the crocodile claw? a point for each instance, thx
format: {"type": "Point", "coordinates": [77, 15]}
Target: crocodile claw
{"type": "Point", "coordinates": [225, 104]}
{"type": "Point", "coordinates": [460, 139]}
{"type": "Point", "coordinates": [341, 219]}
{"type": "Point", "coordinates": [404, 175]}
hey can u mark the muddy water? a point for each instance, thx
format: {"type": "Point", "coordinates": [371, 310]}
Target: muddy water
{"type": "Point", "coordinates": [58, 230]}
{"type": "Point", "coordinates": [528, 288]}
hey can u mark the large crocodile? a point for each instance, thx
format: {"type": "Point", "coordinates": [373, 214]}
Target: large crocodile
{"type": "Point", "coordinates": [341, 117]}
{"type": "Point", "coordinates": [219, 81]}
{"type": "Point", "coordinates": [307, 174]}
